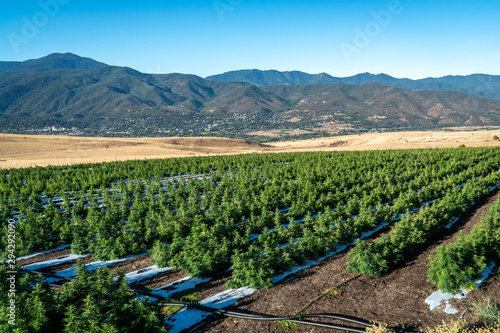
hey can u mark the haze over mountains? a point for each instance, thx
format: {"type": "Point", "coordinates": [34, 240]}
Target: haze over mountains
{"type": "Point", "coordinates": [68, 91]}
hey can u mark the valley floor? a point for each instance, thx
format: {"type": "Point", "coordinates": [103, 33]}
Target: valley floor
{"type": "Point", "coordinates": [40, 150]}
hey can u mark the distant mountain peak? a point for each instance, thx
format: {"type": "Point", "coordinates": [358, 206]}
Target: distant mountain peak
{"type": "Point", "coordinates": [65, 55]}
{"type": "Point", "coordinates": [53, 61]}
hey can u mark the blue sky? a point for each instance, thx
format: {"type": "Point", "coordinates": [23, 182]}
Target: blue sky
{"type": "Point", "coordinates": [405, 38]}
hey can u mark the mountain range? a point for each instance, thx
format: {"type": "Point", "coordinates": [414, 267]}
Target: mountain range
{"type": "Point", "coordinates": [481, 85]}
{"type": "Point", "coordinates": [65, 91]}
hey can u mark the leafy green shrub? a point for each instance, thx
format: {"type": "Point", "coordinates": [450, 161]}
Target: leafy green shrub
{"type": "Point", "coordinates": [250, 269]}
{"type": "Point", "coordinates": [458, 264]}
{"type": "Point", "coordinates": [94, 302]}
{"type": "Point", "coordinates": [366, 258]}
{"type": "Point", "coordinates": [455, 266]}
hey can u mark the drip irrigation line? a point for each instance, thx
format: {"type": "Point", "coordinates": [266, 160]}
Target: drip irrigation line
{"type": "Point", "coordinates": [239, 314]}
{"type": "Point", "coordinates": [463, 314]}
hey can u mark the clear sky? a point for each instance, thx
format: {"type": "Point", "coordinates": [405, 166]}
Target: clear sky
{"type": "Point", "coordinates": [406, 38]}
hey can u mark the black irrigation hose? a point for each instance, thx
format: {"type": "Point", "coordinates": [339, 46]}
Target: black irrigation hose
{"type": "Point", "coordinates": [293, 319]}
{"type": "Point", "coordinates": [243, 315]}
{"type": "Point", "coordinates": [296, 318]}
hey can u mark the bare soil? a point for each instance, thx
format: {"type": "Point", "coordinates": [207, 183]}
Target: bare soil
{"type": "Point", "coordinates": [131, 265]}
{"type": "Point", "coordinates": [66, 265]}
{"type": "Point", "coordinates": [45, 256]}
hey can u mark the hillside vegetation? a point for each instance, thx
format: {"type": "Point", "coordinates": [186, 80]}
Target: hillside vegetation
{"type": "Point", "coordinates": [78, 95]}
{"type": "Point", "coordinates": [480, 85]}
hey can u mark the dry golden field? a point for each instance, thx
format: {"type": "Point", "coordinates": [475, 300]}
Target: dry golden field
{"type": "Point", "coordinates": [41, 150]}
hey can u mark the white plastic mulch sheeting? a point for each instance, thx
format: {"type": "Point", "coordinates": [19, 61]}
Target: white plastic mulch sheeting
{"type": "Point", "coordinates": [188, 317]}
{"type": "Point", "coordinates": [53, 262]}
{"type": "Point", "coordinates": [71, 273]}
{"type": "Point", "coordinates": [183, 284]}
{"type": "Point", "coordinates": [438, 297]}
{"type": "Point", "coordinates": [145, 273]}
{"type": "Point", "coordinates": [180, 285]}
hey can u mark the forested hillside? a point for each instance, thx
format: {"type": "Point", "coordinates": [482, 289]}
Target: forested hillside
{"type": "Point", "coordinates": [69, 94]}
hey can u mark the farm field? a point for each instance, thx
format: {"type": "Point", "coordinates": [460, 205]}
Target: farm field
{"type": "Point", "coordinates": [397, 299]}
{"type": "Point", "coordinates": [280, 233]}
{"type": "Point", "coordinates": [18, 151]}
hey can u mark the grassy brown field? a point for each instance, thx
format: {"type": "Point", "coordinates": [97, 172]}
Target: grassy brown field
{"type": "Point", "coordinates": [40, 150]}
